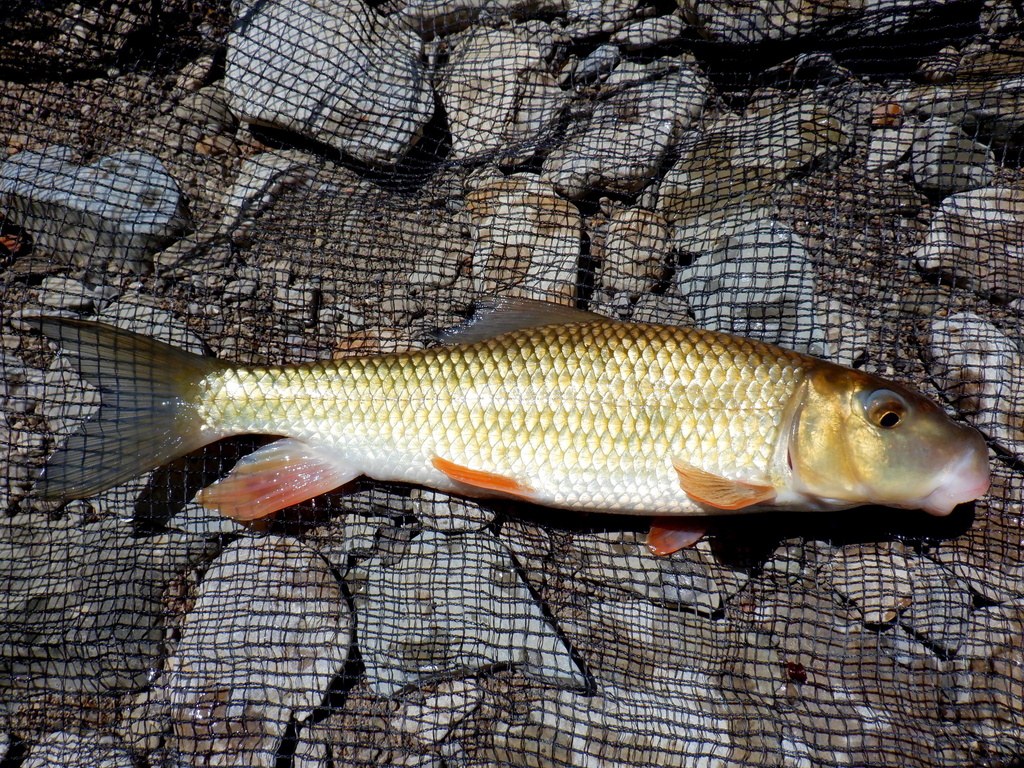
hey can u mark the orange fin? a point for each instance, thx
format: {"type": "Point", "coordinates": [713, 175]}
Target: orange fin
{"type": "Point", "coordinates": [720, 492]}
{"type": "Point", "coordinates": [670, 534]}
{"type": "Point", "coordinates": [484, 481]}
{"type": "Point", "coordinates": [274, 477]}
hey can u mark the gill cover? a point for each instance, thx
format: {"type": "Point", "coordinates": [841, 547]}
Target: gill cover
{"type": "Point", "coordinates": [859, 439]}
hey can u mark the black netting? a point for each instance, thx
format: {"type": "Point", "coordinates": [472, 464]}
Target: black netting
{"type": "Point", "coordinates": [293, 180]}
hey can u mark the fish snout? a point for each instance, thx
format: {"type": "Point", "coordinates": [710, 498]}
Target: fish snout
{"type": "Point", "coordinates": [966, 478]}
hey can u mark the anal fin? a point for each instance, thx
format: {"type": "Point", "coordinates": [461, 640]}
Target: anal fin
{"type": "Point", "coordinates": [276, 476]}
{"type": "Point", "coordinates": [721, 492]}
{"type": "Point", "coordinates": [670, 534]}
{"type": "Point", "coordinates": [488, 482]}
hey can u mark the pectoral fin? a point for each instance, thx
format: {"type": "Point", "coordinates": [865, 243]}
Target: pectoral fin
{"type": "Point", "coordinates": [670, 534]}
{"type": "Point", "coordinates": [490, 482]}
{"type": "Point", "coordinates": [720, 492]}
{"type": "Point", "coordinates": [274, 477]}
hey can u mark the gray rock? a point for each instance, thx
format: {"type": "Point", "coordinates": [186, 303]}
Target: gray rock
{"type": "Point", "coordinates": [340, 74]}
{"type": "Point", "coordinates": [624, 141]}
{"type": "Point", "coordinates": [432, 720]}
{"type": "Point", "coordinates": [940, 606]}
{"type": "Point", "coordinates": [498, 95]}
{"type": "Point", "coordinates": [268, 631]}
{"type": "Point", "coordinates": [757, 281]}
{"type": "Point", "coordinates": [118, 211]}
{"type": "Point", "coordinates": [632, 252]}
{"type": "Point", "coordinates": [876, 578]}
{"type": "Point", "coordinates": [982, 370]}
{"type": "Point", "coordinates": [83, 606]}
{"type": "Point", "coordinates": [649, 32]}
{"type": "Point", "coordinates": [73, 750]}
{"type": "Point", "coordinates": [444, 17]}
{"type": "Point", "coordinates": [526, 238]}
{"type": "Point", "coordinates": [943, 159]}
{"type": "Point", "coordinates": [976, 237]}
{"type": "Point", "coordinates": [448, 607]}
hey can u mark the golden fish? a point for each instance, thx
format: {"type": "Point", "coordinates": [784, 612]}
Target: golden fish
{"type": "Point", "coordinates": [536, 402]}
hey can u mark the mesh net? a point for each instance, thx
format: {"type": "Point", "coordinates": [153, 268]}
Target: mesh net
{"type": "Point", "coordinates": [293, 180]}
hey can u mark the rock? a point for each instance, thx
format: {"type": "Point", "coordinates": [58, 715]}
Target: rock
{"type": "Point", "coordinates": [598, 62]}
{"type": "Point", "coordinates": [633, 255]}
{"type": "Point", "coordinates": [72, 750]}
{"type": "Point", "coordinates": [450, 606]}
{"type": "Point", "coordinates": [889, 147]}
{"type": "Point", "coordinates": [940, 606]}
{"type": "Point", "coordinates": [976, 238]}
{"type": "Point", "coordinates": [445, 17]}
{"type": "Point", "coordinates": [645, 33]}
{"type": "Point", "coordinates": [981, 369]}
{"type": "Point", "coordinates": [260, 180]}
{"type": "Point", "coordinates": [527, 239]}
{"type": "Point", "coordinates": [742, 23]}
{"type": "Point", "coordinates": [443, 512]}
{"type": "Point", "coordinates": [83, 605]}
{"type": "Point", "coordinates": [732, 169]}
{"type": "Point", "coordinates": [624, 142]}
{"type": "Point", "coordinates": [65, 293]}
{"type": "Point", "coordinates": [876, 578]}
{"type": "Point", "coordinates": [339, 74]}
{"type": "Point", "coordinates": [943, 159]}
{"type": "Point", "coordinates": [589, 18]}
{"type": "Point", "coordinates": [208, 107]}
{"type": "Point", "coordinates": [116, 212]}
{"type": "Point", "coordinates": [431, 721]}
{"type": "Point", "coordinates": [498, 94]}
{"type": "Point", "coordinates": [758, 281]}
{"type": "Point", "coordinates": [269, 630]}
{"type": "Point", "coordinates": [986, 680]}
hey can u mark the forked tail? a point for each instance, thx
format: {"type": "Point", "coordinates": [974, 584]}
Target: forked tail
{"type": "Point", "coordinates": [147, 414]}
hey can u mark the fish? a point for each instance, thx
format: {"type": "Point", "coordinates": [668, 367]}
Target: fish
{"type": "Point", "coordinates": [528, 401]}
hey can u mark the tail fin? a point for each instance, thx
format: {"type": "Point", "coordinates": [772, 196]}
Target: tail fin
{"type": "Point", "coordinates": [147, 415]}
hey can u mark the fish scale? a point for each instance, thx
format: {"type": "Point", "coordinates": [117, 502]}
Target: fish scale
{"type": "Point", "coordinates": [588, 415]}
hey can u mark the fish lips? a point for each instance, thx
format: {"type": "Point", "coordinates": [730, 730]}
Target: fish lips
{"type": "Point", "coordinates": [966, 478]}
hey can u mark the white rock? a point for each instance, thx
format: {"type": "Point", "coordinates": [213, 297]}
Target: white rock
{"type": "Point", "coordinates": [261, 179]}
{"type": "Point", "coordinates": [758, 281]}
{"type": "Point", "coordinates": [450, 606]}
{"type": "Point", "coordinates": [73, 750]}
{"type": "Point", "coordinates": [982, 370]}
{"type": "Point", "coordinates": [648, 32]}
{"type": "Point", "coordinates": [430, 722]}
{"type": "Point", "coordinates": [525, 237]}
{"type": "Point", "coordinates": [634, 253]}
{"type": "Point", "coordinates": [268, 631]}
{"type": "Point", "coordinates": [623, 143]}
{"type": "Point", "coordinates": [944, 159]}
{"type": "Point", "coordinates": [498, 95]}
{"type": "Point", "coordinates": [888, 147]}
{"type": "Point", "coordinates": [979, 236]}
{"type": "Point", "coordinates": [336, 72]}
{"type": "Point", "coordinates": [118, 211]}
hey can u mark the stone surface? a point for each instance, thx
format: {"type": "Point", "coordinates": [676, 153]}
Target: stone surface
{"type": "Point", "coordinates": [977, 237]}
{"type": "Point", "coordinates": [943, 159]}
{"type": "Point", "coordinates": [526, 238]}
{"type": "Point", "coordinates": [116, 212]}
{"type": "Point", "coordinates": [268, 632]}
{"type": "Point", "coordinates": [73, 750]}
{"type": "Point", "coordinates": [498, 95]}
{"type": "Point", "coordinates": [758, 281]}
{"type": "Point", "coordinates": [621, 145]}
{"type": "Point", "coordinates": [336, 72]}
{"type": "Point", "coordinates": [449, 606]}
{"type": "Point", "coordinates": [982, 370]}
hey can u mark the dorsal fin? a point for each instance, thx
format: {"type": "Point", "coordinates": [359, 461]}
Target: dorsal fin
{"type": "Point", "coordinates": [497, 315]}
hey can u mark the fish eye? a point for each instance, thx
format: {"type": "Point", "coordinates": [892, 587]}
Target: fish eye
{"type": "Point", "coordinates": [884, 408]}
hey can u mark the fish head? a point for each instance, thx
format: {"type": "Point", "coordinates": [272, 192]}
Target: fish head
{"type": "Point", "coordinates": [856, 439]}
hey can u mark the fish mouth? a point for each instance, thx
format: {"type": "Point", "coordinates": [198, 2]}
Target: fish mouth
{"type": "Point", "coordinates": [966, 478]}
